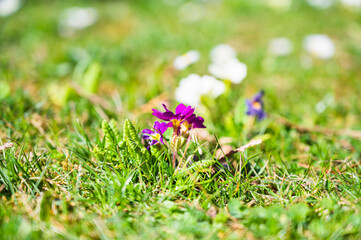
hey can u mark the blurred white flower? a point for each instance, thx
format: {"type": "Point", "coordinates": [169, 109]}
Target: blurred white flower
{"type": "Point", "coordinates": [319, 45]}
{"type": "Point", "coordinates": [225, 65]}
{"type": "Point", "coordinates": [76, 18]}
{"type": "Point", "coordinates": [8, 7]}
{"type": "Point", "coordinates": [280, 46]}
{"type": "Point", "coordinates": [191, 12]}
{"type": "Point", "coordinates": [351, 3]}
{"type": "Point", "coordinates": [183, 61]}
{"type": "Point", "coordinates": [222, 53]}
{"type": "Point", "coordinates": [321, 4]}
{"type": "Point", "coordinates": [281, 5]}
{"type": "Point", "coordinates": [232, 70]}
{"type": "Point", "coordinates": [191, 88]}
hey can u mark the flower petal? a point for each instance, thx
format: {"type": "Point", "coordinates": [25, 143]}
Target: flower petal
{"type": "Point", "coordinates": [169, 124]}
{"type": "Point", "coordinates": [153, 142]}
{"type": "Point", "coordinates": [147, 131]}
{"type": "Point", "coordinates": [160, 127]}
{"type": "Point", "coordinates": [159, 115]}
{"type": "Point", "coordinates": [261, 116]}
{"type": "Point", "coordinates": [169, 116]}
{"type": "Point", "coordinates": [165, 107]}
{"type": "Point", "coordinates": [180, 108]}
{"type": "Point", "coordinates": [198, 122]}
{"type": "Point", "coordinates": [188, 112]}
{"type": "Point", "coordinates": [190, 119]}
{"type": "Point", "coordinates": [147, 137]}
{"type": "Point", "coordinates": [258, 96]}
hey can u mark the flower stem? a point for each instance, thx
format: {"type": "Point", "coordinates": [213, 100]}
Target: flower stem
{"type": "Point", "coordinates": [185, 150]}
{"type": "Point", "coordinates": [174, 158]}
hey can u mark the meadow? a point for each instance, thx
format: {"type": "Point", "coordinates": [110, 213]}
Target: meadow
{"type": "Point", "coordinates": [276, 157]}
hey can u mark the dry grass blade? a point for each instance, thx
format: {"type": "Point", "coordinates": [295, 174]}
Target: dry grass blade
{"type": "Point", "coordinates": [327, 131]}
{"type": "Point", "coordinates": [6, 145]}
{"type": "Point", "coordinates": [252, 143]}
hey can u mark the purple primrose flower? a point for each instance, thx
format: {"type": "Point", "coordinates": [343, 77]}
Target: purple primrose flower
{"type": "Point", "coordinates": [155, 136]}
{"type": "Point", "coordinates": [255, 106]}
{"type": "Point", "coordinates": [182, 120]}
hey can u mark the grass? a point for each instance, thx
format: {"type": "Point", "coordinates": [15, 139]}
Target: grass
{"type": "Point", "coordinates": [76, 173]}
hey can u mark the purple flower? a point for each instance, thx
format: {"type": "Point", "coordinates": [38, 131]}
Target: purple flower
{"type": "Point", "coordinates": [255, 106]}
{"type": "Point", "coordinates": [155, 136]}
{"type": "Point", "coordinates": [182, 120]}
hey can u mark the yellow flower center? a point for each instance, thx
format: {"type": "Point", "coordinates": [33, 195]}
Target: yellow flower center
{"type": "Point", "coordinates": [185, 127]}
{"type": "Point", "coordinates": [257, 105]}
{"type": "Point", "coordinates": [176, 124]}
{"type": "Point", "coordinates": [156, 137]}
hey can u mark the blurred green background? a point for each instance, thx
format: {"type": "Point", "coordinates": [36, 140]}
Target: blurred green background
{"type": "Point", "coordinates": [135, 43]}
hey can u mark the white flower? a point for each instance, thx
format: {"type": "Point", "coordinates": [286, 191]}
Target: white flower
{"type": "Point", "coordinates": [222, 53]}
{"type": "Point", "coordinates": [183, 61]}
{"type": "Point", "coordinates": [232, 70]}
{"type": "Point", "coordinates": [351, 3]}
{"type": "Point", "coordinates": [8, 7]}
{"type": "Point", "coordinates": [211, 86]}
{"type": "Point", "coordinates": [76, 18]}
{"type": "Point", "coordinates": [322, 4]}
{"type": "Point", "coordinates": [319, 45]}
{"type": "Point", "coordinates": [280, 46]}
{"type": "Point", "coordinates": [225, 65]}
{"type": "Point", "coordinates": [191, 89]}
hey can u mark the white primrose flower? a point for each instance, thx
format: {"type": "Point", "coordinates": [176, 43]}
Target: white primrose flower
{"type": "Point", "coordinates": [232, 70]}
{"type": "Point", "coordinates": [191, 89]}
{"type": "Point", "coordinates": [183, 61]}
{"type": "Point", "coordinates": [280, 46]}
{"type": "Point", "coordinates": [321, 4]}
{"type": "Point", "coordinates": [351, 3]}
{"type": "Point", "coordinates": [222, 53]}
{"type": "Point", "coordinates": [76, 18]}
{"type": "Point", "coordinates": [319, 45]}
{"type": "Point", "coordinates": [8, 7]}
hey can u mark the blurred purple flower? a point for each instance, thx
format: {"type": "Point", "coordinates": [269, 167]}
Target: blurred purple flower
{"type": "Point", "coordinates": [182, 120]}
{"type": "Point", "coordinates": [255, 106]}
{"type": "Point", "coordinates": [155, 136]}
